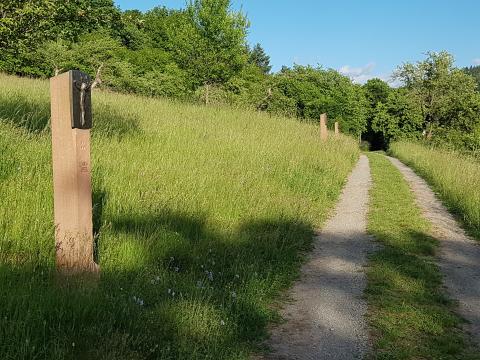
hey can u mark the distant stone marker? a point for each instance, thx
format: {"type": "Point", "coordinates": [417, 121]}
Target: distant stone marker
{"type": "Point", "coordinates": [71, 122]}
{"type": "Point", "coordinates": [337, 130]}
{"type": "Point", "coordinates": [323, 127]}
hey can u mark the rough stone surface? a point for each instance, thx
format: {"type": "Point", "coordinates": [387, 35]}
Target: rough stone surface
{"type": "Point", "coordinates": [459, 256]}
{"type": "Point", "coordinates": [326, 318]}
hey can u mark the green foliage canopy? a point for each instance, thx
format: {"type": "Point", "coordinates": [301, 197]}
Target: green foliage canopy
{"type": "Point", "coordinates": [313, 91]}
{"type": "Point", "coordinates": [201, 53]}
{"type": "Point", "coordinates": [260, 58]}
{"type": "Point", "coordinates": [447, 95]}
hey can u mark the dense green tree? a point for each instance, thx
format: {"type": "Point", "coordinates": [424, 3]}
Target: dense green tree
{"type": "Point", "coordinates": [210, 44]}
{"type": "Point", "coordinates": [447, 95]}
{"type": "Point", "coordinates": [55, 56]}
{"type": "Point", "coordinates": [250, 88]}
{"type": "Point", "coordinates": [94, 50]}
{"type": "Point", "coordinates": [201, 53]}
{"type": "Point", "coordinates": [25, 25]}
{"type": "Point", "coordinates": [377, 92]}
{"type": "Point", "coordinates": [73, 18]}
{"type": "Point", "coordinates": [161, 24]}
{"type": "Point", "coordinates": [314, 91]}
{"type": "Point", "coordinates": [398, 117]}
{"type": "Point", "coordinates": [475, 72]}
{"type": "Point", "coordinates": [131, 32]}
{"type": "Point", "coordinates": [260, 58]}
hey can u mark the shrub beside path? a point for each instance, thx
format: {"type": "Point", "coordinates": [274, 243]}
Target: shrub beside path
{"type": "Point", "coordinates": [326, 318]}
{"type": "Point", "coordinates": [459, 256]}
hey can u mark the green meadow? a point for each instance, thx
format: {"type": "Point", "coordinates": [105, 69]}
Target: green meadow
{"type": "Point", "coordinates": [202, 217]}
{"type": "Point", "coordinates": [455, 177]}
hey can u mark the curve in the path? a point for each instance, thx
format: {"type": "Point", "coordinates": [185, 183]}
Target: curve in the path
{"type": "Point", "coordinates": [459, 256]}
{"type": "Point", "coordinates": [326, 318]}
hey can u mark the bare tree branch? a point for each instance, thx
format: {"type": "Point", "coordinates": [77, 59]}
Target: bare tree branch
{"type": "Point", "coordinates": [98, 79]}
{"type": "Point", "coordinates": [58, 71]}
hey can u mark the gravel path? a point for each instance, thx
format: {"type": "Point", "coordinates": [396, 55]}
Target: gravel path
{"type": "Point", "coordinates": [459, 257]}
{"type": "Point", "coordinates": [325, 319]}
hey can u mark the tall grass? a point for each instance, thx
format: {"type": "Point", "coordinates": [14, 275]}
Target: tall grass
{"type": "Point", "coordinates": [201, 217]}
{"type": "Point", "coordinates": [409, 313]}
{"type": "Point", "coordinates": [455, 177]}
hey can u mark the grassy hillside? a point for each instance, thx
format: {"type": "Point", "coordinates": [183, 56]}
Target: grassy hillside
{"type": "Point", "coordinates": [455, 177]}
{"type": "Point", "coordinates": [201, 218]}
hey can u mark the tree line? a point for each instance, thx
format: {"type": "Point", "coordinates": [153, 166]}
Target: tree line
{"type": "Point", "coordinates": [201, 54]}
{"type": "Point", "coordinates": [475, 72]}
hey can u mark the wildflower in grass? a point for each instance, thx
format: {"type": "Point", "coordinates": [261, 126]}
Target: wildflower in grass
{"type": "Point", "coordinates": [138, 301]}
{"type": "Point", "coordinates": [209, 275]}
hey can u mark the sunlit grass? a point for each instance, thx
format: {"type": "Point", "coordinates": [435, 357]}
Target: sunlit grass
{"type": "Point", "coordinates": [455, 177]}
{"type": "Point", "coordinates": [202, 216]}
{"type": "Point", "coordinates": [409, 313]}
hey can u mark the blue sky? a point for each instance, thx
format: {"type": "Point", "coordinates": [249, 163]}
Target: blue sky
{"type": "Point", "coordinates": [362, 39]}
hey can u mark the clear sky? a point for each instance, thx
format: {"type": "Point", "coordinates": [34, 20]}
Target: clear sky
{"type": "Point", "coordinates": [362, 39]}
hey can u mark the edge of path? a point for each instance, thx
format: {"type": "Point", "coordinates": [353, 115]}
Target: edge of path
{"type": "Point", "coordinates": [326, 318]}
{"type": "Point", "coordinates": [459, 254]}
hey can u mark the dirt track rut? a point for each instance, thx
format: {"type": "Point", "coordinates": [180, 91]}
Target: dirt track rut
{"type": "Point", "coordinates": [326, 318]}
{"type": "Point", "coordinates": [459, 255]}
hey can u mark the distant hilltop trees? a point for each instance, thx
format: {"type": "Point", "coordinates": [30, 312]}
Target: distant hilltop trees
{"type": "Point", "coordinates": [200, 54]}
{"type": "Point", "coordinates": [475, 72]}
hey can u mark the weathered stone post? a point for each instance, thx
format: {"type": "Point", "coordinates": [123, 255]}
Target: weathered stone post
{"type": "Point", "coordinates": [323, 127]}
{"type": "Point", "coordinates": [71, 116]}
{"type": "Point", "coordinates": [337, 129]}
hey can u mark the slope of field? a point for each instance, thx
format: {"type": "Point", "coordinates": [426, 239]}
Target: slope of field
{"type": "Point", "coordinates": [201, 219]}
{"type": "Point", "coordinates": [455, 177]}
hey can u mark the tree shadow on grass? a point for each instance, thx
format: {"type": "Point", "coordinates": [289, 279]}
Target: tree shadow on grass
{"type": "Point", "coordinates": [99, 199]}
{"type": "Point", "coordinates": [110, 122]}
{"type": "Point", "coordinates": [223, 285]}
{"type": "Point", "coordinates": [34, 117]}
{"type": "Point", "coordinates": [263, 244]}
{"type": "Point", "coordinates": [406, 283]}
